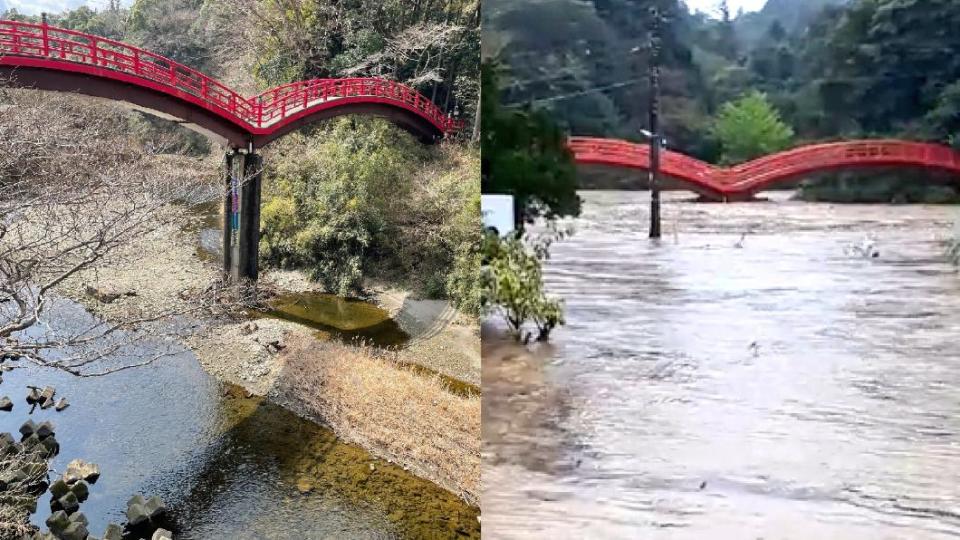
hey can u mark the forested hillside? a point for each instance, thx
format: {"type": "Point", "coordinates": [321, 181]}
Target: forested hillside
{"type": "Point", "coordinates": [831, 68]}
{"type": "Point", "coordinates": [872, 67]}
{"type": "Point", "coordinates": [793, 15]}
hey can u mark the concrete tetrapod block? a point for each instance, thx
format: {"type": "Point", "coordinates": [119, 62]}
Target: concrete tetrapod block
{"type": "Point", "coordinates": [62, 404]}
{"type": "Point", "coordinates": [33, 396]}
{"type": "Point", "coordinates": [15, 476]}
{"type": "Point", "coordinates": [59, 488]}
{"type": "Point", "coordinates": [10, 478]}
{"type": "Point", "coordinates": [75, 531]}
{"type": "Point", "coordinates": [31, 441]}
{"type": "Point", "coordinates": [155, 507]}
{"type": "Point", "coordinates": [30, 505]}
{"type": "Point", "coordinates": [137, 515]}
{"type": "Point", "coordinates": [162, 534]}
{"type": "Point", "coordinates": [69, 503]}
{"type": "Point", "coordinates": [8, 445]}
{"type": "Point", "coordinates": [28, 428]}
{"type": "Point", "coordinates": [5, 404]}
{"type": "Point", "coordinates": [44, 430]}
{"type": "Point", "coordinates": [58, 521]}
{"type": "Point", "coordinates": [51, 445]}
{"type": "Point", "coordinates": [78, 517]}
{"type": "Point", "coordinates": [114, 532]}
{"type": "Point", "coordinates": [81, 490]}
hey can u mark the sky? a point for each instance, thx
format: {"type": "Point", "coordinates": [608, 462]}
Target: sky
{"type": "Point", "coordinates": [33, 7]}
{"type": "Point", "coordinates": [710, 6]}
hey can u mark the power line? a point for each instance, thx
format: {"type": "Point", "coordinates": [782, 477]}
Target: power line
{"type": "Point", "coordinates": [554, 77]}
{"type": "Point", "coordinates": [580, 93]}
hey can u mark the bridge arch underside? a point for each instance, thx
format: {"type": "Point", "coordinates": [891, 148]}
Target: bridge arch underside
{"type": "Point", "coordinates": [218, 128]}
{"type": "Point", "coordinates": [931, 174]}
{"type": "Point", "coordinates": [747, 189]}
{"type": "Point", "coordinates": [639, 179]}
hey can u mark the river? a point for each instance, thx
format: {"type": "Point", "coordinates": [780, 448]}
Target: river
{"type": "Point", "coordinates": [788, 388]}
{"type": "Point", "coordinates": [229, 466]}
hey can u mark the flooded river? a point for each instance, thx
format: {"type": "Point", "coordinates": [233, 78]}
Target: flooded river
{"type": "Point", "coordinates": [785, 387]}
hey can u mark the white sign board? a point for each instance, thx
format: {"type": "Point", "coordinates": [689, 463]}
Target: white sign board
{"type": "Point", "coordinates": [497, 211]}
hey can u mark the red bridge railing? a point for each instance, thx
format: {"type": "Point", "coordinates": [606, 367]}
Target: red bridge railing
{"type": "Point", "coordinates": [59, 44]}
{"type": "Point", "coordinates": [756, 174]}
{"type": "Point", "coordinates": [277, 103]}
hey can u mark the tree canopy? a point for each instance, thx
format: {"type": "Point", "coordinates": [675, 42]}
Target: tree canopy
{"type": "Point", "coordinates": [524, 154]}
{"type": "Point", "coordinates": [750, 128]}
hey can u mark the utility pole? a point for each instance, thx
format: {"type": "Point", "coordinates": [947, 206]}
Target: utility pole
{"type": "Point", "coordinates": [655, 137]}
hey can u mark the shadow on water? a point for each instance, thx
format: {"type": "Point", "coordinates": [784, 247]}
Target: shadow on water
{"type": "Point", "coordinates": [322, 478]}
{"type": "Point", "coordinates": [206, 222]}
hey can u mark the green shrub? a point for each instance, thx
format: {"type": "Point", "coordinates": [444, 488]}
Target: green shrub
{"type": "Point", "coordinates": [465, 283]}
{"type": "Point", "coordinates": [362, 199]}
{"type": "Point", "coordinates": [326, 200]}
{"type": "Point", "coordinates": [513, 287]}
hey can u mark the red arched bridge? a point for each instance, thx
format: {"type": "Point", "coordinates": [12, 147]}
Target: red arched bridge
{"type": "Point", "coordinates": [742, 181]}
{"type": "Point", "coordinates": [49, 58]}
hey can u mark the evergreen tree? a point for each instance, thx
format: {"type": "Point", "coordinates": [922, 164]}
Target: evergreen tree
{"type": "Point", "coordinates": [750, 128]}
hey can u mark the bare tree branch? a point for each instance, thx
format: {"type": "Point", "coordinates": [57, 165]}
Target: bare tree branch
{"type": "Point", "coordinates": [75, 192]}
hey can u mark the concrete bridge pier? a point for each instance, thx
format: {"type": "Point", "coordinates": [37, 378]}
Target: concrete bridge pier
{"type": "Point", "coordinates": [243, 173]}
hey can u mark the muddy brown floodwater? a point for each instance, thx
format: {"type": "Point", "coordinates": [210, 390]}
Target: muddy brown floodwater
{"type": "Point", "coordinates": [788, 388]}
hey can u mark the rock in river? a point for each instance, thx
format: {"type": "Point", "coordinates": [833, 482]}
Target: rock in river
{"type": "Point", "coordinates": [62, 404]}
{"type": "Point", "coordinates": [114, 532]}
{"type": "Point", "coordinates": [155, 507]}
{"type": "Point", "coordinates": [44, 430]}
{"type": "Point", "coordinates": [78, 470]}
{"type": "Point", "coordinates": [28, 428]}
{"type": "Point", "coordinates": [58, 521]}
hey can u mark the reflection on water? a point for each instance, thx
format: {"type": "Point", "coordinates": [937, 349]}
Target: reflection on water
{"type": "Point", "coordinates": [782, 389]}
{"type": "Point", "coordinates": [228, 466]}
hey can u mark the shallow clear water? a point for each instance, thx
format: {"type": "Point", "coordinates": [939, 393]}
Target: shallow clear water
{"type": "Point", "coordinates": [228, 466]}
{"type": "Point", "coordinates": [343, 319]}
{"type": "Point", "coordinates": [785, 389]}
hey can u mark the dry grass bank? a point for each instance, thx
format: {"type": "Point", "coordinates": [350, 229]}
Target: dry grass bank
{"type": "Point", "coordinates": [398, 415]}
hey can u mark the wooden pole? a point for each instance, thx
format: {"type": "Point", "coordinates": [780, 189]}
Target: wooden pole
{"type": "Point", "coordinates": [655, 138]}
